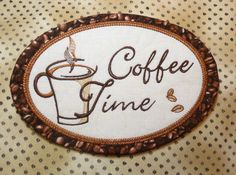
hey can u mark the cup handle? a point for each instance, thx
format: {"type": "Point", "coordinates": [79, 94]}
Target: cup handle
{"type": "Point", "coordinates": [36, 79]}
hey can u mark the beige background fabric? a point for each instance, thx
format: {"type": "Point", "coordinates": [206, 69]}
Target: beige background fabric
{"type": "Point", "coordinates": [208, 149]}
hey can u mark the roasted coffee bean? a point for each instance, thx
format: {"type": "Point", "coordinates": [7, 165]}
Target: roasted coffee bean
{"type": "Point", "coordinates": [17, 66]}
{"type": "Point", "coordinates": [88, 147]}
{"type": "Point", "coordinates": [138, 146]}
{"type": "Point", "coordinates": [103, 145]}
{"type": "Point", "coordinates": [180, 132]}
{"type": "Point", "coordinates": [33, 122]}
{"type": "Point", "coordinates": [170, 135]}
{"type": "Point", "coordinates": [39, 128]}
{"type": "Point", "coordinates": [194, 121]}
{"type": "Point", "coordinates": [29, 52]}
{"type": "Point", "coordinates": [46, 130]}
{"type": "Point", "coordinates": [208, 106]}
{"type": "Point", "coordinates": [45, 38]}
{"type": "Point", "coordinates": [14, 88]}
{"type": "Point", "coordinates": [70, 28]}
{"type": "Point", "coordinates": [117, 148]}
{"type": "Point", "coordinates": [172, 98]}
{"type": "Point", "coordinates": [174, 28]}
{"type": "Point", "coordinates": [213, 65]}
{"type": "Point", "coordinates": [72, 143]}
{"type": "Point", "coordinates": [215, 84]}
{"type": "Point", "coordinates": [81, 21]}
{"type": "Point", "coordinates": [151, 141]}
{"type": "Point", "coordinates": [208, 60]}
{"type": "Point", "coordinates": [56, 31]}
{"type": "Point", "coordinates": [127, 18]}
{"type": "Point", "coordinates": [75, 22]}
{"type": "Point", "coordinates": [170, 92]}
{"type": "Point", "coordinates": [25, 109]}
{"type": "Point", "coordinates": [113, 16]}
{"type": "Point", "coordinates": [144, 146]}
{"type": "Point", "coordinates": [210, 80]}
{"type": "Point", "coordinates": [124, 150]}
{"type": "Point", "coordinates": [214, 94]}
{"type": "Point", "coordinates": [63, 27]}
{"type": "Point", "coordinates": [96, 148]}
{"type": "Point", "coordinates": [28, 118]}
{"type": "Point", "coordinates": [22, 101]}
{"type": "Point", "coordinates": [50, 135]}
{"type": "Point", "coordinates": [151, 146]}
{"type": "Point", "coordinates": [184, 37]}
{"type": "Point", "coordinates": [12, 77]}
{"type": "Point", "coordinates": [132, 150]}
{"type": "Point", "coordinates": [39, 39]}
{"type": "Point", "coordinates": [51, 32]}
{"type": "Point", "coordinates": [60, 140]}
{"type": "Point", "coordinates": [18, 76]}
{"type": "Point", "coordinates": [203, 49]}
{"type": "Point", "coordinates": [177, 108]}
{"type": "Point", "coordinates": [79, 144]}
{"type": "Point", "coordinates": [203, 107]}
{"type": "Point", "coordinates": [210, 72]}
{"type": "Point", "coordinates": [120, 16]}
{"type": "Point", "coordinates": [28, 48]}
{"type": "Point", "coordinates": [67, 144]}
{"type": "Point", "coordinates": [203, 55]}
{"type": "Point", "coordinates": [211, 89]}
{"type": "Point", "coordinates": [35, 44]}
{"type": "Point", "coordinates": [101, 151]}
{"type": "Point", "coordinates": [195, 43]}
{"type": "Point", "coordinates": [92, 20]}
{"type": "Point", "coordinates": [158, 22]}
{"type": "Point", "coordinates": [112, 150]}
{"type": "Point", "coordinates": [189, 36]}
{"type": "Point", "coordinates": [23, 55]}
{"type": "Point", "coordinates": [205, 113]}
{"type": "Point", "coordinates": [15, 98]}
{"type": "Point", "coordinates": [106, 18]}
{"type": "Point", "coordinates": [165, 23]}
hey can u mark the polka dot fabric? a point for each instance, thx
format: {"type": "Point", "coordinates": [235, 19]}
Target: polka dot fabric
{"type": "Point", "coordinates": [208, 149]}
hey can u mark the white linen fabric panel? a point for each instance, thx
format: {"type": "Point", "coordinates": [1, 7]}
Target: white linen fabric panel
{"type": "Point", "coordinates": [97, 46]}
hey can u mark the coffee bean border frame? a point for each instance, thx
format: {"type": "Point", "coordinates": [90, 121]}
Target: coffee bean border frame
{"type": "Point", "coordinates": [22, 108]}
{"type": "Point", "coordinates": [120, 140]}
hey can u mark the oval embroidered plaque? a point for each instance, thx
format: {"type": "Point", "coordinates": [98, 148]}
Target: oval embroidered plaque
{"type": "Point", "coordinates": [114, 83]}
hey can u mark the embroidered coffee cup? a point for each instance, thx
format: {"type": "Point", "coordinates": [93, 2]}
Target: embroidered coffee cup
{"type": "Point", "coordinates": [65, 86]}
